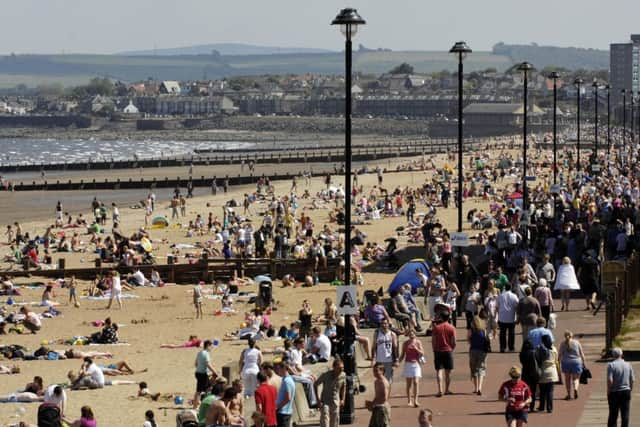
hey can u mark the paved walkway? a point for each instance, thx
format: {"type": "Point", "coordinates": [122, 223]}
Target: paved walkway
{"type": "Point", "coordinates": [463, 408]}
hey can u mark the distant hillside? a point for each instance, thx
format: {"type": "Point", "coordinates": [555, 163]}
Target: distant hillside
{"type": "Point", "coordinates": [566, 57]}
{"type": "Point", "coordinates": [223, 49]}
{"type": "Point", "coordinates": [75, 69]}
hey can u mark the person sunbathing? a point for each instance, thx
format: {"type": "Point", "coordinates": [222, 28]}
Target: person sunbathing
{"type": "Point", "coordinates": [73, 353]}
{"type": "Point", "coordinates": [9, 370]}
{"type": "Point", "coordinates": [193, 341]}
{"type": "Point", "coordinates": [119, 368]}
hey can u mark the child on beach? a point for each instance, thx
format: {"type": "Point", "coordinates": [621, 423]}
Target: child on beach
{"type": "Point", "coordinates": [197, 300]}
{"type": "Point", "coordinates": [72, 292]}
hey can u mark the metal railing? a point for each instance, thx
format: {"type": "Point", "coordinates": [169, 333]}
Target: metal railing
{"type": "Point", "coordinates": [620, 289]}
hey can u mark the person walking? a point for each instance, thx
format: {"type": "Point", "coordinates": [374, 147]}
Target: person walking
{"type": "Point", "coordinates": [518, 397]}
{"type": "Point", "coordinates": [203, 369]}
{"type": "Point", "coordinates": [116, 289]}
{"type": "Point", "coordinates": [443, 342]}
{"type": "Point", "coordinates": [265, 398]}
{"type": "Point", "coordinates": [507, 305]}
{"type": "Point", "coordinates": [286, 396]}
{"type": "Point", "coordinates": [379, 406]}
{"type": "Point", "coordinates": [412, 354]}
{"type": "Point", "coordinates": [385, 349]}
{"type": "Point", "coordinates": [545, 298]}
{"type": "Point", "coordinates": [250, 361]}
{"type": "Point", "coordinates": [566, 281]}
{"type": "Point", "coordinates": [620, 379]}
{"type": "Point", "coordinates": [479, 345]}
{"type": "Point", "coordinates": [528, 311]}
{"type": "Point", "coordinates": [334, 390]}
{"type": "Point", "coordinates": [547, 357]}
{"type": "Point", "coordinates": [572, 363]}
{"type": "Point", "coordinates": [530, 373]}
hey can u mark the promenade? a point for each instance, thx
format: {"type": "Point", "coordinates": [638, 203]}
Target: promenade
{"type": "Point", "coordinates": [463, 409]}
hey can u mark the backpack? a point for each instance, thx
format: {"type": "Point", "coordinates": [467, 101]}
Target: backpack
{"type": "Point", "coordinates": [49, 415]}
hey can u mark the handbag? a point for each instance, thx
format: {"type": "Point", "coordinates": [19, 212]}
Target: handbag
{"type": "Point", "coordinates": [585, 376]}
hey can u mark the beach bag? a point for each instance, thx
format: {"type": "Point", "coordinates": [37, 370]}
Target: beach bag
{"type": "Point", "coordinates": [49, 415]}
{"type": "Point", "coordinates": [552, 321]}
{"type": "Point", "coordinates": [585, 376]}
{"type": "Point", "coordinates": [186, 418]}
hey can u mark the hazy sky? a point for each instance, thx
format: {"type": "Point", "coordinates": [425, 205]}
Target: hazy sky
{"type": "Point", "coordinates": [92, 26]}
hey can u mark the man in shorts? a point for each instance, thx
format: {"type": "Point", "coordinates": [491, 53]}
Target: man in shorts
{"type": "Point", "coordinates": [203, 370]}
{"type": "Point", "coordinates": [443, 342]}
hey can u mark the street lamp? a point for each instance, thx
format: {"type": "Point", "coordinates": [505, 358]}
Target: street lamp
{"type": "Point", "coordinates": [608, 88]}
{"type": "Point", "coordinates": [525, 67]}
{"type": "Point", "coordinates": [578, 83]}
{"type": "Point", "coordinates": [348, 20]}
{"type": "Point", "coordinates": [462, 50]}
{"type": "Point", "coordinates": [595, 140]}
{"type": "Point", "coordinates": [555, 76]}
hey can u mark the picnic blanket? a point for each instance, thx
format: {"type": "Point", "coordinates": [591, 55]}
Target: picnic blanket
{"type": "Point", "coordinates": [108, 296]}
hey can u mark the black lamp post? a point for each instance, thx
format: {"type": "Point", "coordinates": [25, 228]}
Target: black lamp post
{"type": "Point", "coordinates": [624, 125]}
{"type": "Point", "coordinates": [461, 49]}
{"type": "Point", "coordinates": [525, 67]}
{"type": "Point", "coordinates": [608, 88]}
{"type": "Point", "coordinates": [595, 113]}
{"type": "Point", "coordinates": [555, 76]}
{"type": "Point", "coordinates": [578, 83]}
{"type": "Point", "coordinates": [348, 20]}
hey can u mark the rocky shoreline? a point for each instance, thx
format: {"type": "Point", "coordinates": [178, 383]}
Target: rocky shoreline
{"type": "Point", "coordinates": [233, 128]}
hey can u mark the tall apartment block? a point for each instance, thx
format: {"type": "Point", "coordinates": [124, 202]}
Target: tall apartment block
{"type": "Point", "coordinates": [624, 68]}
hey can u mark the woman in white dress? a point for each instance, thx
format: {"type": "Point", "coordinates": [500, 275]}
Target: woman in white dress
{"type": "Point", "coordinates": [566, 281]}
{"type": "Point", "coordinates": [413, 355]}
{"type": "Point", "coordinates": [250, 361]}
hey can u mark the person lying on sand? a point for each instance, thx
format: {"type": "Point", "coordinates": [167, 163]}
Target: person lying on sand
{"type": "Point", "coordinates": [73, 353]}
{"type": "Point", "coordinates": [119, 368]}
{"type": "Point", "coordinates": [143, 391]}
{"type": "Point", "coordinates": [193, 341]}
{"type": "Point", "coordinates": [9, 370]}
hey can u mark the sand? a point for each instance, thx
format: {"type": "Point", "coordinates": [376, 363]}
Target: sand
{"type": "Point", "coordinates": [169, 314]}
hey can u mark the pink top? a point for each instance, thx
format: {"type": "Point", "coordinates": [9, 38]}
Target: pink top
{"type": "Point", "coordinates": [85, 422]}
{"type": "Point", "coordinates": [543, 295]}
{"type": "Point", "coordinates": [411, 353]}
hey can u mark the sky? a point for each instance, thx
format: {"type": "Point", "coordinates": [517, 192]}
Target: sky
{"type": "Point", "coordinates": [93, 26]}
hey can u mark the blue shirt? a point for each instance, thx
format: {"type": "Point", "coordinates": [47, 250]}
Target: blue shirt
{"type": "Point", "coordinates": [536, 334]}
{"type": "Point", "coordinates": [620, 374]}
{"type": "Point", "coordinates": [288, 386]}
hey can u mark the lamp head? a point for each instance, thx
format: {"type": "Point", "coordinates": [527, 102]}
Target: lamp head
{"type": "Point", "coordinates": [460, 48]}
{"type": "Point", "coordinates": [578, 81]}
{"type": "Point", "coordinates": [525, 67]}
{"type": "Point", "coordinates": [348, 20]}
{"type": "Point", "coordinates": [554, 75]}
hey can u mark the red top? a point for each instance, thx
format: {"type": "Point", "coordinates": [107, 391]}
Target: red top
{"type": "Point", "coordinates": [443, 337]}
{"type": "Point", "coordinates": [518, 391]}
{"type": "Point", "coordinates": [265, 395]}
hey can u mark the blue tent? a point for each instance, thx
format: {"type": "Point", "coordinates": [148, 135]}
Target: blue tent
{"type": "Point", "coordinates": [407, 274]}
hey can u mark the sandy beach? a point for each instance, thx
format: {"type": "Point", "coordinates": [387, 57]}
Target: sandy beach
{"type": "Point", "coordinates": [167, 313]}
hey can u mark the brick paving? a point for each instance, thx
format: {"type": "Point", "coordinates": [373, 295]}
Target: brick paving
{"type": "Point", "coordinates": [463, 408]}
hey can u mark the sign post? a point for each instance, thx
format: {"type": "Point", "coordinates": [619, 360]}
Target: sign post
{"type": "Point", "coordinates": [347, 300]}
{"type": "Point", "coordinates": [460, 240]}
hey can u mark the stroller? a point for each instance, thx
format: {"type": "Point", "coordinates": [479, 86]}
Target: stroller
{"type": "Point", "coordinates": [264, 300]}
{"type": "Point", "coordinates": [187, 418]}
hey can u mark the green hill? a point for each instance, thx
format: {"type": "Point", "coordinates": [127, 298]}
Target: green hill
{"type": "Point", "coordinates": [571, 58]}
{"type": "Point", "coordinates": [69, 69]}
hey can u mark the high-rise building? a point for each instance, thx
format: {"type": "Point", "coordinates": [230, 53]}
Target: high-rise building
{"type": "Point", "coordinates": [624, 68]}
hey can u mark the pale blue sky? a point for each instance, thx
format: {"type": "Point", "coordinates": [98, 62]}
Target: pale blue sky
{"type": "Point", "coordinates": [99, 26]}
